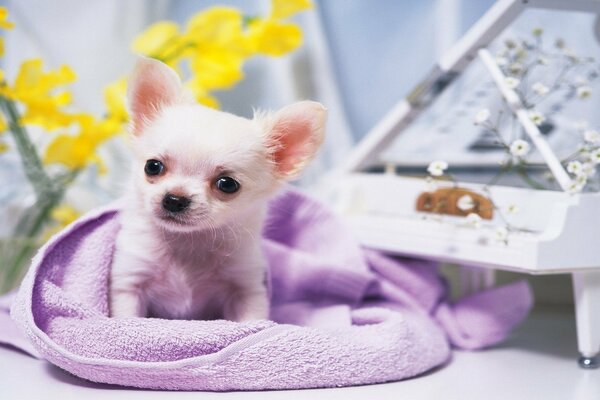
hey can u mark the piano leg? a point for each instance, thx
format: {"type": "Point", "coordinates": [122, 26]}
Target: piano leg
{"type": "Point", "coordinates": [586, 287]}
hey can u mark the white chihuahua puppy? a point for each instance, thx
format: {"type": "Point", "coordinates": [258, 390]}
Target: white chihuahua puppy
{"type": "Point", "coordinates": [190, 242]}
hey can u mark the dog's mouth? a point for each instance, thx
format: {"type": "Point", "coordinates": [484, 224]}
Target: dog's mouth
{"type": "Point", "coordinates": [173, 219]}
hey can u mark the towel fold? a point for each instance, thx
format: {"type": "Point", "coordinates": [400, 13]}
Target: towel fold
{"type": "Point", "coordinates": [341, 315]}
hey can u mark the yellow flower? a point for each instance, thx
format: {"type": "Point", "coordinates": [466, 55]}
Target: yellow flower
{"type": "Point", "coordinates": [76, 151]}
{"type": "Point", "coordinates": [217, 28]}
{"type": "Point", "coordinates": [217, 70]}
{"type": "Point", "coordinates": [4, 24]}
{"type": "Point", "coordinates": [161, 40]}
{"type": "Point", "coordinates": [114, 98]}
{"type": "Point", "coordinates": [217, 42]}
{"type": "Point", "coordinates": [201, 94]}
{"type": "Point", "coordinates": [64, 214]}
{"type": "Point", "coordinates": [39, 92]}
{"type": "Point", "coordinates": [3, 124]}
{"type": "Point", "coordinates": [281, 9]}
{"type": "Point", "coordinates": [274, 38]}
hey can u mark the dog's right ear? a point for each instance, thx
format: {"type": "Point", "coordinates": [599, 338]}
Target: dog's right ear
{"type": "Point", "coordinates": [152, 86]}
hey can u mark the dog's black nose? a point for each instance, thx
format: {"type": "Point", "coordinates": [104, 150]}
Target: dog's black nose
{"type": "Point", "coordinates": [174, 203]}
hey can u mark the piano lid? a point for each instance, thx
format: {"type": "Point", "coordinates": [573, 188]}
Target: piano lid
{"type": "Point", "coordinates": [464, 118]}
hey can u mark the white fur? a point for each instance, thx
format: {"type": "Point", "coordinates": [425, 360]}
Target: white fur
{"type": "Point", "coordinates": [206, 263]}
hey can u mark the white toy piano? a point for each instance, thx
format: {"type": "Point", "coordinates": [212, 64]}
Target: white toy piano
{"type": "Point", "coordinates": [529, 209]}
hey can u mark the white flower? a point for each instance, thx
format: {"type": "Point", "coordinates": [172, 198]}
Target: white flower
{"type": "Point", "coordinates": [589, 169]}
{"type": "Point", "coordinates": [575, 167]}
{"type": "Point", "coordinates": [501, 234]}
{"type": "Point", "coordinates": [474, 220]}
{"type": "Point", "coordinates": [516, 68]}
{"type": "Point", "coordinates": [591, 136]}
{"type": "Point", "coordinates": [540, 89]}
{"type": "Point", "coordinates": [595, 156]}
{"type": "Point", "coordinates": [519, 148]}
{"type": "Point", "coordinates": [437, 168]}
{"type": "Point", "coordinates": [577, 184]}
{"type": "Point", "coordinates": [583, 92]}
{"type": "Point", "coordinates": [465, 203]}
{"type": "Point", "coordinates": [501, 61]}
{"type": "Point", "coordinates": [512, 209]}
{"type": "Point", "coordinates": [536, 117]}
{"type": "Point", "coordinates": [511, 82]}
{"type": "Point", "coordinates": [542, 61]}
{"type": "Point", "coordinates": [482, 116]}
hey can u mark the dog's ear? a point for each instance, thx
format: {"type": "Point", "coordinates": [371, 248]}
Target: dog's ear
{"type": "Point", "coordinates": [151, 87]}
{"type": "Point", "coordinates": [294, 134]}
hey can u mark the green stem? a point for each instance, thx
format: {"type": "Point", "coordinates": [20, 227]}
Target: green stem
{"type": "Point", "coordinates": [32, 165]}
{"type": "Point", "coordinates": [48, 192]}
{"type": "Point", "coordinates": [30, 226]}
{"type": "Point", "coordinates": [505, 168]}
{"type": "Point", "coordinates": [525, 176]}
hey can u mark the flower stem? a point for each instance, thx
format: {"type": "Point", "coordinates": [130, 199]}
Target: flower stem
{"type": "Point", "coordinates": [525, 176]}
{"type": "Point", "coordinates": [29, 227]}
{"type": "Point", "coordinates": [32, 165]}
{"type": "Point", "coordinates": [49, 192]}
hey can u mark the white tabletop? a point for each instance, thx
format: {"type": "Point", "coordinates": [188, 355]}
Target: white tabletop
{"type": "Point", "coordinates": [537, 362]}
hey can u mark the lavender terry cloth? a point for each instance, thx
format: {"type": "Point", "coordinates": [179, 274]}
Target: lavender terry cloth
{"type": "Point", "coordinates": [341, 315]}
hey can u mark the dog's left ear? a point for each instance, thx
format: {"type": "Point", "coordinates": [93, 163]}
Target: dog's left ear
{"type": "Point", "coordinates": [294, 134]}
{"type": "Point", "coordinates": [151, 87]}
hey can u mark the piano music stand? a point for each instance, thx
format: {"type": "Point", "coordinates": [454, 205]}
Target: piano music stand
{"type": "Point", "coordinates": [586, 274]}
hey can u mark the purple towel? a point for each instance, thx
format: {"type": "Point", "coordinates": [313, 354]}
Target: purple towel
{"type": "Point", "coordinates": [341, 315]}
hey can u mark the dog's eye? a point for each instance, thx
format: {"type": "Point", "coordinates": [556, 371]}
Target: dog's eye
{"type": "Point", "coordinates": [153, 167]}
{"type": "Point", "coordinates": [227, 184]}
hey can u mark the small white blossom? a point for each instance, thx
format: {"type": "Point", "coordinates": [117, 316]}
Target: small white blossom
{"type": "Point", "coordinates": [501, 234]}
{"type": "Point", "coordinates": [465, 203]}
{"type": "Point", "coordinates": [542, 61]}
{"type": "Point", "coordinates": [519, 148]}
{"type": "Point", "coordinates": [501, 61]}
{"type": "Point", "coordinates": [583, 92]}
{"type": "Point", "coordinates": [589, 169]}
{"type": "Point", "coordinates": [516, 68]}
{"type": "Point", "coordinates": [511, 82]}
{"type": "Point", "coordinates": [591, 136]}
{"type": "Point", "coordinates": [512, 209]}
{"type": "Point", "coordinates": [540, 89]}
{"type": "Point", "coordinates": [595, 156]}
{"type": "Point", "coordinates": [437, 168]}
{"type": "Point", "coordinates": [575, 168]}
{"type": "Point", "coordinates": [575, 186]}
{"type": "Point", "coordinates": [482, 116]}
{"type": "Point", "coordinates": [536, 117]}
{"type": "Point", "coordinates": [474, 220]}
